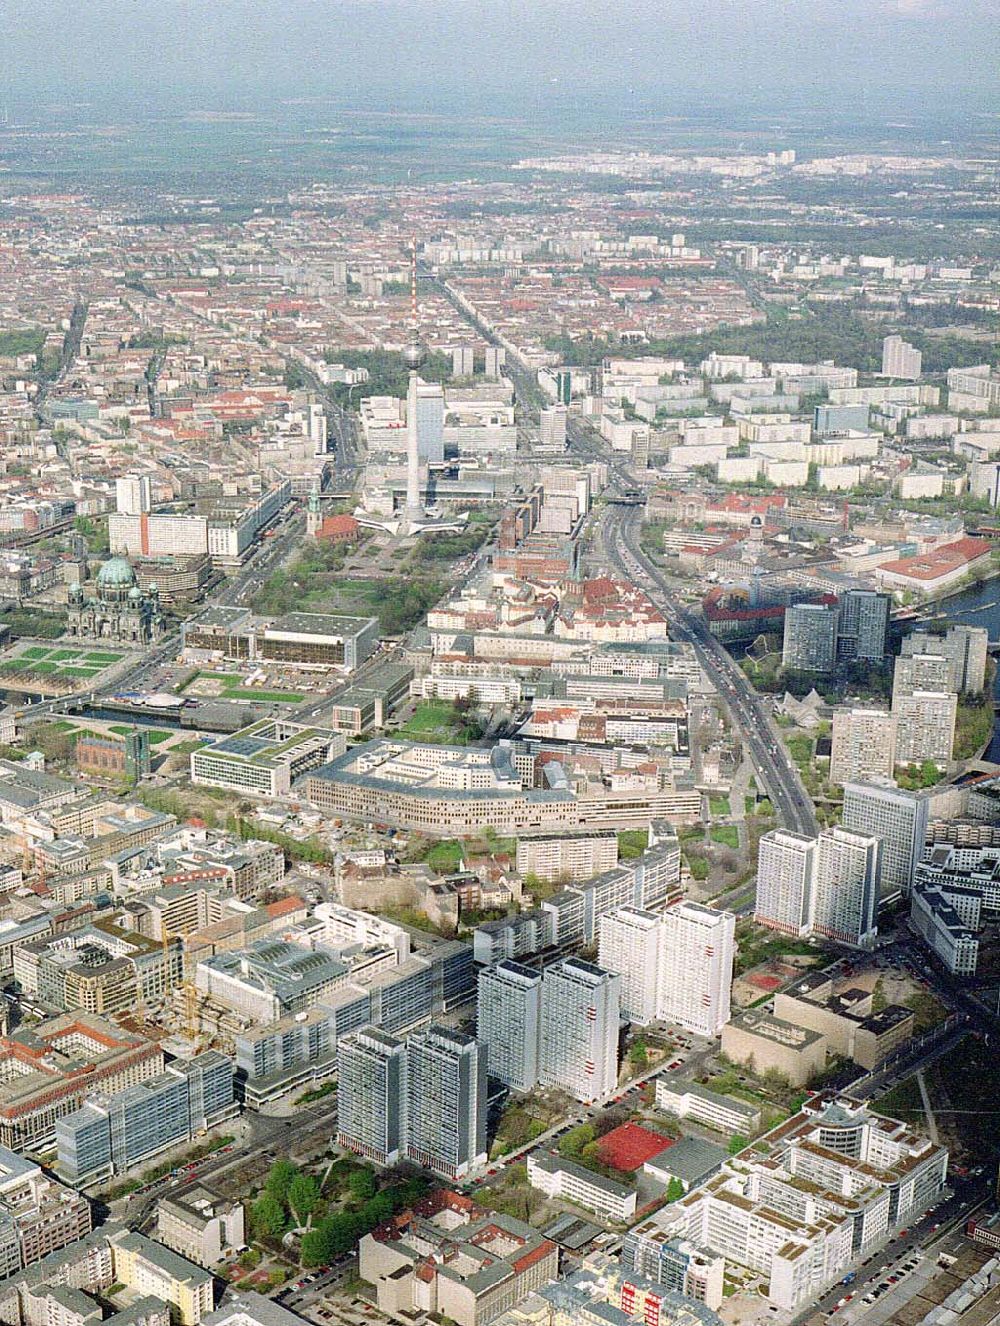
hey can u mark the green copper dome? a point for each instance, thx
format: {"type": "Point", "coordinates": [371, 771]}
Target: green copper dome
{"type": "Point", "coordinates": [116, 572]}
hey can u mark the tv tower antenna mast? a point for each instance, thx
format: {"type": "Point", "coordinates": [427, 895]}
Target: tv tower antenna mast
{"type": "Point", "coordinates": [413, 356]}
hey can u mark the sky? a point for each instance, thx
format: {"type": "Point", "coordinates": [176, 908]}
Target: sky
{"type": "Point", "coordinates": [498, 57]}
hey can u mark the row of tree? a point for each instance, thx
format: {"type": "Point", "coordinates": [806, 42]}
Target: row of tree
{"type": "Point", "coordinates": [293, 1200]}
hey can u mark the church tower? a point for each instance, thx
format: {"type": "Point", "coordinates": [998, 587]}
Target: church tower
{"type": "Point", "coordinates": [314, 517]}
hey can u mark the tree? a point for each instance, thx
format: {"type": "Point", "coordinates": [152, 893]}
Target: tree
{"type": "Point", "coordinates": [315, 1247]}
{"type": "Point", "coordinates": [267, 1216]}
{"type": "Point", "coordinates": [303, 1194]}
{"type": "Point", "coordinates": [675, 1189]}
{"type": "Point", "coordinates": [343, 1231]}
{"type": "Point", "coordinates": [377, 1209]}
{"type": "Point", "coordinates": [279, 1179]}
{"type": "Point", "coordinates": [591, 1154]}
{"type": "Point", "coordinates": [736, 1144]}
{"type": "Point", "coordinates": [361, 1184]}
{"type": "Point", "coordinates": [879, 1000]}
{"type": "Point", "coordinates": [638, 1057]}
{"type": "Point", "coordinates": [576, 1139]}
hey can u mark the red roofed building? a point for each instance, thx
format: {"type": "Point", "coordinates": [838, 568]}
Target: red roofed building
{"type": "Point", "coordinates": [49, 1070]}
{"type": "Point", "coordinates": [447, 1258]}
{"type": "Point", "coordinates": [930, 572]}
{"type": "Point", "coordinates": [338, 529]}
{"type": "Point", "coordinates": [740, 509]}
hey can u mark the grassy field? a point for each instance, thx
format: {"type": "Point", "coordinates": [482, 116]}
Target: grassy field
{"type": "Point", "coordinates": [64, 663]}
{"type": "Point", "coordinates": [155, 737]}
{"type": "Point", "coordinates": [446, 857]}
{"type": "Point", "coordinates": [439, 723]}
{"type": "Point", "coordinates": [719, 806]}
{"type": "Point", "coordinates": [314, 583]}
{"type": "Point", "coordinates": [726, 835]}
{"type": "Point", "coordinates": [231, 688]}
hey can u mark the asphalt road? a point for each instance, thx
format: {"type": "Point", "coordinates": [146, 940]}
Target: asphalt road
{"type": "Point", "coordinates": [925, 1234]}
{"type": "Point", "coordinates": [750, 713]}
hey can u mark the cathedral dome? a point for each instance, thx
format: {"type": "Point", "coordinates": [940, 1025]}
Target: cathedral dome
{"type": "Point", "coordinates": [116, 573]}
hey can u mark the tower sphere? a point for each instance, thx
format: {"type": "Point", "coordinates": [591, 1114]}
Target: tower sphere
{"type": "Point", "coordinates": [414, 354]}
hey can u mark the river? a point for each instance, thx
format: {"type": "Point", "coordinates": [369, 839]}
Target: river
{"type": "Point", "coordinates": [979, 606]}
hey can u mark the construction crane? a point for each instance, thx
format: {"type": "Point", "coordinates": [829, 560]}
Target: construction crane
{"type": "Point", "coordinates": [191, 1019]}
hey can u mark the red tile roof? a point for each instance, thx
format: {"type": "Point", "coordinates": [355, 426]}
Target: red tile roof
{"type": "Point", "coordinates": [941, 561]}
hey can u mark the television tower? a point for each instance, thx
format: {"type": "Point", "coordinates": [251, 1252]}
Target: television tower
{"type": "Point", "coordinates": [413, 356]}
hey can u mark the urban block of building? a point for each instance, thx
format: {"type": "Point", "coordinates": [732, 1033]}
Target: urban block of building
{"type": "Point", "coordinates": [557, 1178]}
{"type": "Point", "coordinates": [299, 639]}
{"type": "Point", "coordinates": [54, 1066]}
{"type": "Point", "coordinates": [447, 1257]}
{"type": "Point", "coordinates": [114, 1134]}
{"type": "Point", "coordinates": [266, 758]}
{"type": "Point", "coordinates": [816, 1196]}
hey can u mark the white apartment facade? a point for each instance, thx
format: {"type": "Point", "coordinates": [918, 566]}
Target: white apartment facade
{"type": "Point", "coordinates": [508, 1022]}
{"type": "Point", "coordinates": [863, 745]}
{"type": "Point", "coordinates": [785, 867]}
{"type": "Point", "coordinates": [925, 727]}
{"type": "Point", "coordinates": [629, 944]}
{"type": "Point", "coordinates": [696, 967]}
{"type": "Point", "coordinates": [845, 894]}
{"type": "Point", "coordinates": [581, 1013]}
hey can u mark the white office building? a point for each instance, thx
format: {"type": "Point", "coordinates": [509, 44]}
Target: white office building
{"type": "Point", "coordinates": [785, 866]}
{"type": "Point", "coordinates": [508, 1022]}
{"type": "Point", "coordinates": [133, 494]}
{"type": "Point", "coordinates": [430, 421]}
{"type": "Point", "coordinates": [581, 1014]}
{"type": "Point", "coordinates": [630, 940]}
{"type": "Point", "coordinates": [845, 891]}
{"type": "Point", "coordinates": [898, 819]}
{"type": "Point", "coordinates": [696, 967]}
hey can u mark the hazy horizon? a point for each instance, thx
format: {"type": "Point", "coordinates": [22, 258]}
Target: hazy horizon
{"type": "Point", "coordinates": [529, 58]}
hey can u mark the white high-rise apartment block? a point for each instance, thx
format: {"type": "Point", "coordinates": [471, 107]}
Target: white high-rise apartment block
{"type": "Point", "coordinates": [133, 494]}
{"type": "Point", "coordinates": [581, 1013]}
{"type": "Point", "coordinates": [966, 648]}
{"type": "Point", "coordinates": [925, 727]}
{"type": "Point", "coordinates": [629, 944]}
{"type": "Point", "coordinates": [864, 745]}
{"type": "Point", "coordinates": [785, 867]}
{"type": "Point", "coordinates": [494, 361]}
{"type": "Point", "coordinates": [696, 968]}
{"type": "Point", "coordinates": [900, 359]}
{"type": "Point", "coordinates": [445, 1101]}
{"type": "Point", "coordinates": [371, 1095]}
{"type": "Point", "coordinates": [508, 1022]}
{"type": "Point", "coordinates": [552, 428]}
{"type": "Point", "coordinates": [845, 889]}
{"type": "Point", "coordinates": [898, 819]}
{"type": "Point", "coordinates": [921, 672]}
{"type": "Point", "coordinates": [463, 361]}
